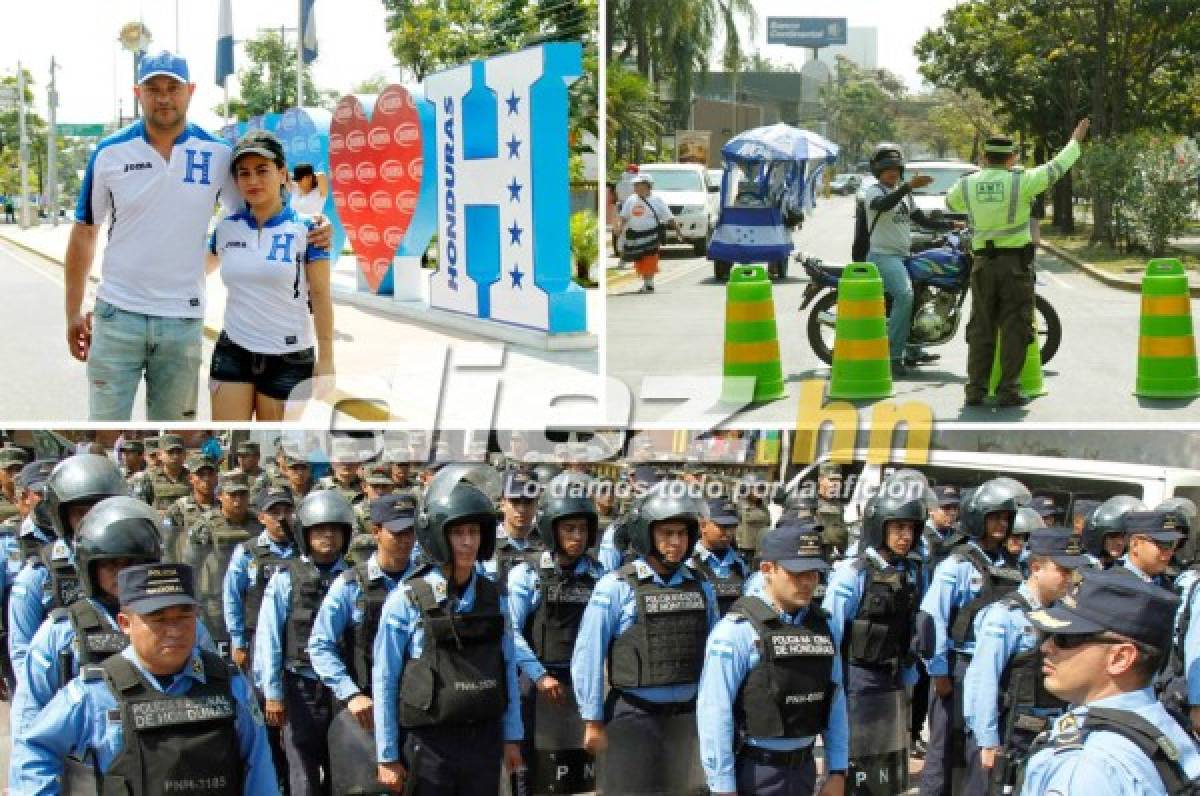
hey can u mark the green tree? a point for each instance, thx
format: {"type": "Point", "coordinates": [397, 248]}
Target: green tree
{"type": "Point", "coordinates": [862, 107]}
{"type": "Point", "coordinates": [428, 35]}
{"type": "Point", "coordinates": [631, 113]}
{"type": "Point", "coordinates": [268, 84]}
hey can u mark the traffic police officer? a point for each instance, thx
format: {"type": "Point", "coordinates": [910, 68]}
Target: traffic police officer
{"type": "Point", "coordinates": [117, 533]}
{"type": "Point", "coordinates": [872, 605]}
{"type": "Point", "coordinates": [295, 699]}
{"type": "Point", "coordinates": [49, 579]}
{"type": "Point", "coordinates": [1103, 533]}
{"type": "Point", "coordinates": [648, 620]}
{"type": "Point", "coordinates": [169, 481]}
{"type": "Point", "coordinates": [1153, 537]}
{"type": "Point", "coordinates": [772, 681]}
{"type": "Point", "coordinates": [970, 578]}
{"type": "Point", "coordinates": [1005, 705]}
{"type": "Point", "coordinates": [1104, 644]}
{"type": "Point", "coordinates": [210, 545]}
{"type": "Point", "coordinates": [163, 716]}
{"type": "Point", "coordinates": [998, 200]}
{"type": "Point", "coordinates": [714, 554]}
{"type": "Point", "coordinates": [547, 595]}
{"type": "Point", "coordinates": [251, 568]}
{"type": "Point", "coordinates": [342, 643]}
{"type": "Point", "coordinates": [447, 710]}
{"type": "Point", "coordinates": [186, 512]}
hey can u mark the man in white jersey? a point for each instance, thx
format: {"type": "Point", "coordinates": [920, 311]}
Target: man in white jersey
{"type": "Point", "coordinates": [156, 183]}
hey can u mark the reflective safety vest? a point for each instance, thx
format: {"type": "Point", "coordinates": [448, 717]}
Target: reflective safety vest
{"type": "Point", "coordinates": [998, 201]}
{"type": "Point", "coordinates": [460, 676]}
{"type": "Point", "coordinates": [665, 644]}
{"type": "Point", "coordinates": [789, 693]}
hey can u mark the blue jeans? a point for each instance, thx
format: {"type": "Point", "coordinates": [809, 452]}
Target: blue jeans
{"type": "Point", "coordinates": [897, 285]}
{"type": "Point", "coordinates": [126, 345]}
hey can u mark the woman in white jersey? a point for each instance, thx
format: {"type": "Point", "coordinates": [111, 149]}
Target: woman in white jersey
{"type": "Point", "coordinates": [309, 189]}
{"type": "Point", "coordinates": [267, 352]}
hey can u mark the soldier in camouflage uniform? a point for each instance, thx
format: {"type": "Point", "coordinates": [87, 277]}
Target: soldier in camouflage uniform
{"type": "Point", "coordinates": [755, 522]}
{"type": "Point", "coordinates": [151, 445]}
{"type": "Point", "coordinates": [248, 457]}
{"type": "Point", "coordinates": [133, 458]}
{"type": "Point", "coordinates": [168, 482]}
{"type": "Point", "coordinates": [831, 509]}
{"type": "Point", "coordinates": [378, 484]}
{"type": "Point", "coordinates": [186, 511]}
{"type": "Point", "coordinates": [209, 545]}
{"type": "Point", "coordinates": [400, 468]}
{"type": "Point", "coordinates": [345, 478]}
{"type": "Point", "coordinates": [12, 459]}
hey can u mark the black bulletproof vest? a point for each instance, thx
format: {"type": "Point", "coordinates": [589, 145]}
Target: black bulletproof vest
{"type": "Point", "coordinates": [728, 589]}
{"type": "Point", "coordinates": [790, 692]}
{"type": "Point", "coordinates": [1185, 621]}
{"type": "Point", "coordinates": [665, 644]}
{"type": "Point", "coordinates": [551, 629]}
{"type": "Point", "coordinates": [174, 744]}
{"type": "Point", "coordinates": [358, 641]}
{"type": "Point", "coordinates": [1022, 686]}
{"type": "Point", "coordinates": [28, 546]}
{"type": "Point", "coordinates": [882, 630]}
{"type": "Point", "coordinates": [997, 582]}
{"type": "Point", "coordinates": [939, 548]}
{"type": "Point", "coordinates": [508, 556]}
{"type": "Point", "coordinates": [460, 676]}
{"type": "Point", "coordinates": [309, 586]}
{"type": "Point", "coordinates": [96, 639]}
{"type": "Point", "coordinates": [63, 583]}
{"type": "Point", "coordinates": [266, 564]}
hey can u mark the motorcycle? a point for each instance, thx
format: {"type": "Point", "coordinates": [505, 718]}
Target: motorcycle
{"type": "Point", "coordinates": [941, 277]}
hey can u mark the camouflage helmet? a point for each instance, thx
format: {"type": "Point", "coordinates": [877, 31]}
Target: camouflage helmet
{"type": "Point", "coordinates": [85, 477]}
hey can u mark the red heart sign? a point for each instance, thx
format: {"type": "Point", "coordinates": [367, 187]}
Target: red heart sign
{"type": "Point", "coordinates": [376, 170]}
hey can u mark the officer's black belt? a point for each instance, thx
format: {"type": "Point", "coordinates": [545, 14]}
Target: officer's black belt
{"type": "Point", "coordinates": [998, 251]}
{"type": "Point", "coordinates": [793, 758]}
{"type": "Point", "coordinates": [659, 708]}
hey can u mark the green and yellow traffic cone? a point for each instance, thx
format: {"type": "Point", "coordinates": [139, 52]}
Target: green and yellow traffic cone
{"type": "Point", "coordinates": [1166, 365]}
{"type": "Point", "coordinates": [862, 367]}
{"type": "Point", "coordinates": [751, 339]}
{"type": "Point", "coordinates": [1030, 384]}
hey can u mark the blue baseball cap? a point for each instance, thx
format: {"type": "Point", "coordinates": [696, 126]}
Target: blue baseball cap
{"type": "Point", "coordinates": [796, 548]}
{"type": "Point", "coordinates": [723, 512]}
{"type": "Point", "coordinates": [1107, 600]}
{"type": "Point", "coordinates": [947, 495]}
{"type": "Point", "coordinates": [163, 63]}
{"type": "Point", "coordinates": [1045, 505]}
{"type": "Point", "coordinates": [1060, 545]}
{"type": "Point", "coordinates": [146, 588]}
{"type": "Point", "coordinates": [396, 512]}
{"type": "Point", "coordinates": [1161, 526]}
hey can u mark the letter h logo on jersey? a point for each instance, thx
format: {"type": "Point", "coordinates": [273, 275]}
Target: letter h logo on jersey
{"type": "Point", "coordinates": [197, 166]}
{"type": "Point", "coordinates": [281, 243]}
{"type": "Point", "coordinates": [502, 191]}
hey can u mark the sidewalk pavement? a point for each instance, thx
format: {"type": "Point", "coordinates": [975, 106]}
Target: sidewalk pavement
{"type": "Point", "coordinates": [367, 340]}
{"type": "Point", "coordinates": [1130, 281]}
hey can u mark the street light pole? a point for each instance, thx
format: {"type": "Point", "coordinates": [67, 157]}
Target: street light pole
{"type": "Point", "coordinates": [24, 150]}
{"type": "Point", "coordinates": [52, 146]}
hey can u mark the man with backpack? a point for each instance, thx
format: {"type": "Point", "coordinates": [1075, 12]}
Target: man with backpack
{"type": "Point", "coordinates": [883, 236]}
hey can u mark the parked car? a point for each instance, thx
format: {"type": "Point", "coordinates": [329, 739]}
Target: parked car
{"type": "Point", "coordinates": [685, 189]}
{"type": "Point", "coordinates": [845, 184]}
{"type": "Point", "coordinates": [932, 197]}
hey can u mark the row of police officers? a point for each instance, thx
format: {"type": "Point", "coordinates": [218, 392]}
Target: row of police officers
{"type": "Point", "coordinates": [455, 643]}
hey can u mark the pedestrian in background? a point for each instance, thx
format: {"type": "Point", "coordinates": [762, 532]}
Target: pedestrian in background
{"type": "Point", "coordinates": [643, 220]}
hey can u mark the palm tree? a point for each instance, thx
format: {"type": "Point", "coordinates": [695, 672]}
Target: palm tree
{"type": "Point", "coordinates": [631, 113]}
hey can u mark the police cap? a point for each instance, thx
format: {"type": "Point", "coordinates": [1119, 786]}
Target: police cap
{"type": "Point", "coordinates": [1161, 526]}
{"type": "Point", "coordinates": [1113, 602]}
{"type": "Point", "coordinates": [1059, 544]}
{"type": "Point", "coordinates": [796, 548]}
{"type": "Point", "coordinates": [146, 588]}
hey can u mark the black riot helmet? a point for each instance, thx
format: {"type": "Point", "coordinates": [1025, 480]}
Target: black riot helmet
{"type": "Point", "coordinates": [458, 493]}
{"type": "Point", "coordinates": [1185, 510]}
{"type": "Point", "coordinates": [666, 500]}
{"type": "Point", "coordinates": [566, 496]}
{"type": "Point", "coordinates": [996, 495]}
{"type": "Point", "coordinates": [323, 507]}
{"type": "Point", "coordinates": [85, 477]}
{"type": "Point", "coordinates": [116, 527]}
{"type": "Point", "coordinates": [896, 503]}
{"type": "Point", "coordinates": [1026, 520]}
{"type": "Point", "coordinates": [1108, 518]}
{"type": "Point", "coordinates": [887, 156]}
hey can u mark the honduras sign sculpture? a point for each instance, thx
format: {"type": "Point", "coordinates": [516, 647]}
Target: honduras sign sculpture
{"type": "Point", "coordinates": [479, 158]}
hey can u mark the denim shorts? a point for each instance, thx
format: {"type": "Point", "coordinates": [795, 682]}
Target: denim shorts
{"type": "Point", "coordinates": [273, 375]}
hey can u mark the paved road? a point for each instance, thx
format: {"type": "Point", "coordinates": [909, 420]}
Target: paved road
{"type": "Point", "coordinates": [41, 380]}
{"type": "Point", "coordinates": [678, 330]}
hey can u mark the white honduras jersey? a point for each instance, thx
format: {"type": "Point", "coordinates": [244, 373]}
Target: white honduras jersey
{"type": "Point", "coordinates": [158, 214]}
{"type": "Point", "coordinates": [266, 310]}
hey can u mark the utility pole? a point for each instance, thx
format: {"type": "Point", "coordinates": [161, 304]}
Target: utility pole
{"type": "Point", "coordinates": [24, 150]}
{"type": "Point", "coordinates": [52, 146]}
